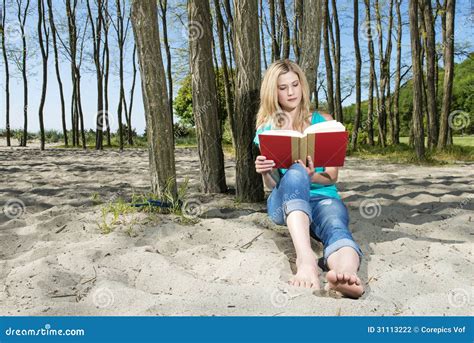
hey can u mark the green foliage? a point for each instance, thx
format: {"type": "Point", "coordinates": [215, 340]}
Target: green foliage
{"type": "Point", "coordinates": [183, 103]}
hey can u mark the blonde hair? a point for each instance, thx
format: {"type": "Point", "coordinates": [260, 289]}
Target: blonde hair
{"type": "Point", "coordinates": [270, 110]}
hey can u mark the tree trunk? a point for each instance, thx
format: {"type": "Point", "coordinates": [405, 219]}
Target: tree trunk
{"type": "Point", "coordinates": [159, 126]}
{"type": "Point", "coordinates": [72, 34]}
{"type": "Point", "coordinates": [7, 75]}
{"type": "Point", "coordinates": [387, 60]}
{"type": "Point", "coordinates": [286, 30]}
{"type": "Point", "coordinates": [311, 40]}
{"type": "Point", "coordinates": [430, 73]}
{"type": "Point", "coordinates": [22, 16]}
{"type": "Point", "coordinates": [298, 29]}
{"type": "Point", "coordinates": [336, 49]}
{"type": "Point", "coordinates": [57, 69]}
{"type": "Point", "coordinates": [227, 83]}
{"type": "Point", "coordinates": [262, 16]}
{"type": "Point", "coordinates": [358, 112]}
{"type": "Point", "coordinates": [448, 74]}
{"type": "Point", "coordinates": [44, 47]}
{"type": "Point", "coordinates": [79, 108]}
{"type": "Point", "coordinates": [120, 35]}
{"type": "Point", "coordinates": [204, 95]}
{"type": "Point", "coordinates": [382, 108]}
{"type": "Point", "coordinates": [132, 89]}
{"type": "Point", "coordinates": [105, 68]}
{"type": "Point", "coordinates": [418, 134]}
{"type": "Point", "coordinates": [327, 58]}
{"type": "Point", "coordinates": [164, 8]}
{"type": "Point", "coordinates": [275, 46]}
{"type": "Point", "coordinates": [372, 76]}
{"type": "Point", "coordinates": [247, 46]}
{"type": "Point", "coordinates": [96, 41]}
{"type": "Point", "coordinates": [396, 96]}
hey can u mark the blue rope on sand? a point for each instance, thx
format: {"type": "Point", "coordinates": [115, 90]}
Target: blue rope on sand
{"type": "Point", "coordinates": [156, 203]}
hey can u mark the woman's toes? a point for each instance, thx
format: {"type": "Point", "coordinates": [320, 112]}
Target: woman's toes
{"type": "Point", "coordinates": [331, 276]}
{"type": "Point", "coordinates": [352, 279]}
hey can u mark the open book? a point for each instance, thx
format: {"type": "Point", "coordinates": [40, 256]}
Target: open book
{"type": "Point", "coordinates": [325, 142]}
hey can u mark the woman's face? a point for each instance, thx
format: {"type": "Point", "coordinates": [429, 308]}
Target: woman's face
{"type": "Point", "coordinates": [289, 91]}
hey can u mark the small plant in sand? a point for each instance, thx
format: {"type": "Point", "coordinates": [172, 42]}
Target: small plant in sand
{"type": "Point", "coordinates": [96, 198]}
{"type": "Point", "coordinates": [119, 212]}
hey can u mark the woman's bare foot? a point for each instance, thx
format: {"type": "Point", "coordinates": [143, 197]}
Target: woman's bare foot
{"type": "Point", "coordinates": [348, 284]}
{"type": "Point", "coordinates": [307, 273]}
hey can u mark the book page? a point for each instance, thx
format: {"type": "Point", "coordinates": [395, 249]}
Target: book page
{"type": "Point", "coordinates": [327, 126]}
{"type": "Point", "coordinates": [288, 133]}
{"type": "Point", "coordinates": [303, 149]}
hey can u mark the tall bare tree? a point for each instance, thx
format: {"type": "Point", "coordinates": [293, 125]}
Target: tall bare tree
{"type": "Point", "coordinates": [417, 120]}
{"type": "Point", "coordinates": [159, 126]}
{"type": "Point", "coordinates": [106, 68]}
{"type": "Point", "coordinates": [448, 54]}
{"type": "Point", "coordinates": [384, 58]}
{"type": "Point", "coordinates": [22, 14]}
{"type": "Point", "coordinates": [396, 97]}
{"type": "Point", "coordinates": [7, 72]}
{"type": "Point", "coordinates": [372, 75]}
{"type": "Point", "coordinates": [121, 29]}
{"type": "Point", "coordinates": [430, 43]}
{"type": "Point", "coordinates": [249, 185]}
{"type": "Point", "coordinates": [52, 25]}
{"type": "Point", "coordinates": [74, 50]}
{"type": "Point", "coordinates": [358, 112]}
{"type": "Point", "coordinates": [43, 39]}
{"type": "Point", "coordinates": [96, 27]}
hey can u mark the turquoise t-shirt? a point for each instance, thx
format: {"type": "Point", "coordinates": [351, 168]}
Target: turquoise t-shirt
{"type": "Point", "coordinates": [316, 189]}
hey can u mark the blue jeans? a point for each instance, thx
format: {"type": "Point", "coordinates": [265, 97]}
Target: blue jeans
{"type": "Point", "coordinates": [328, 217]}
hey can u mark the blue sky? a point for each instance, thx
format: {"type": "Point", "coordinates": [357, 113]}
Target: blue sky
{"type": "Point", "coordinates": [464, 29]}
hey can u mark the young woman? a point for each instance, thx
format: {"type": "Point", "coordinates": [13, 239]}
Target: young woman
{"type": "Point", "coordinates": [303, 197]}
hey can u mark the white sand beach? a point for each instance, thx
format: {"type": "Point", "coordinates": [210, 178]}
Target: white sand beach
{"type": "Point", "coordinates": [414, 225]}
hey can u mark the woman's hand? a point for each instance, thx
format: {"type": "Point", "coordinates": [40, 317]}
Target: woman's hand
{"type": "Point", "coordinates": [309, 168]}
{"type": "Point", "coordinates": [263, 166]}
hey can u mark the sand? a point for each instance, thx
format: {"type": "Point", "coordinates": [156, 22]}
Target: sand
{"type": "Point", "coordinates": [414, 225]}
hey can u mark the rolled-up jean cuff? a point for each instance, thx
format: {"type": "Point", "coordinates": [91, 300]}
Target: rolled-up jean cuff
{"type": "Point", "coordinates": [297, 205]}
{"type": "Point", "coordinates": [344, 242]}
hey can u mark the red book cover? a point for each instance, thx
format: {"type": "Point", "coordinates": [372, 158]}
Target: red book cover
{"type": "Point", "coordinates": [330, 149]}
{"type": "Point", "coordinates": [276, 148]}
